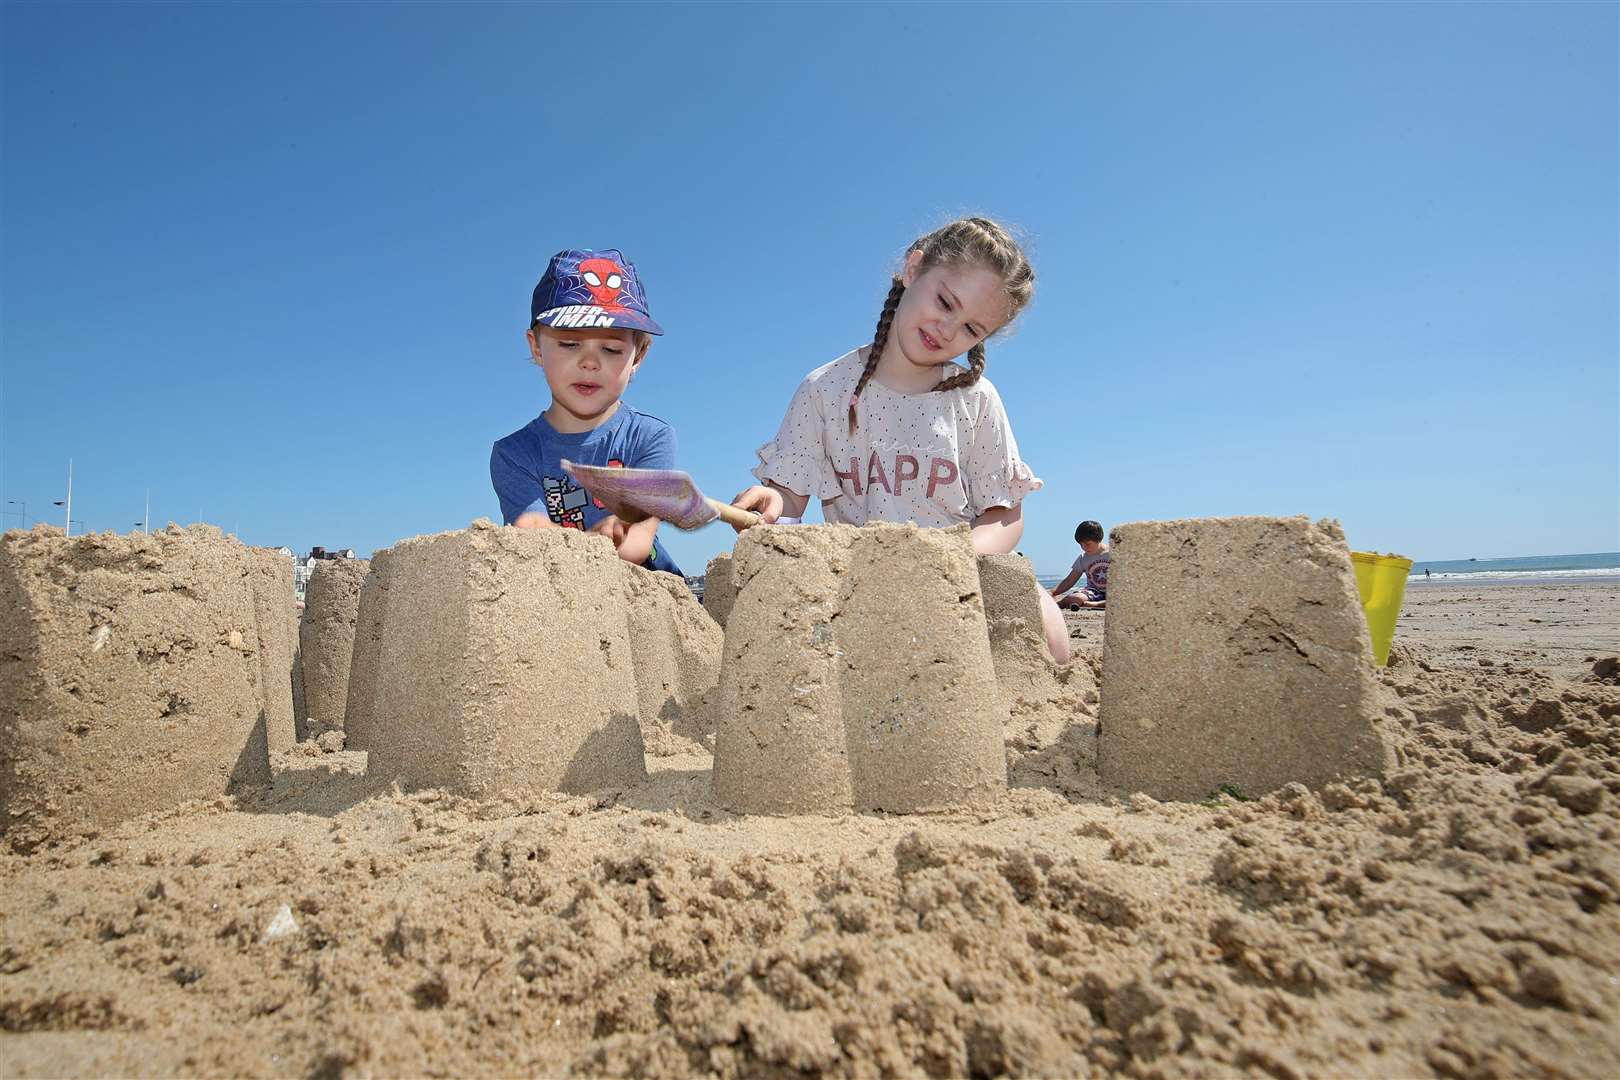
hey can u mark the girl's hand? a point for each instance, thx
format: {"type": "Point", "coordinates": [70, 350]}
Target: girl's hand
{"type": "Point", "coordinates": [762, 500]}
{"type": "Point", "coordinates": [533, 519]}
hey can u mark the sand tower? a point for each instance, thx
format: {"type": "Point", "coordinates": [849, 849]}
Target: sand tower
{"type": "Point", "coordinates": [857, 674]}
{"type": "Point", "coordinates": [275, 606]}
{"type": "Point", "coordinates": [326, 641]}
{"type": "Point", "coordinates": [1235, 652]}
{"type": "Point", "coordinates": [136, 672]}
{"type": "Point", "coordinates": [359, 707]}
{"type": "Point", "coordinates": [493, 660]}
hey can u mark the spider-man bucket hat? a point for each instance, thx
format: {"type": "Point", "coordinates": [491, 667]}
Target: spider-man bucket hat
{"type": "Point", "coordinates": [590, 290]}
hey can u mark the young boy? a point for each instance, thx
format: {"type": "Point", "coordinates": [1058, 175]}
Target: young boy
{"type": "Point", "coordinates": [589, 330]}
{"type": "Point", "coordinates": [1093, 563]}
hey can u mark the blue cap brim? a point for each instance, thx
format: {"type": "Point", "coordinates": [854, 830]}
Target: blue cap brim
{"type": "Point", "coordinates": [590, 317]}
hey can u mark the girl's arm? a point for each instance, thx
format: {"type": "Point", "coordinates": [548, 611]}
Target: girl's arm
{"type": "Point", "coordinates": [794, 452]}
{"type": "Point", "coordinates": [770, 501]}
{"type": "Point", "coordinates": [994, 473]}
{"type": "Point", "coordinates": [998, 529]}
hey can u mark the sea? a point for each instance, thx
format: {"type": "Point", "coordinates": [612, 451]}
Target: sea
{"type": "Point", "coordinates": [1593, 566]}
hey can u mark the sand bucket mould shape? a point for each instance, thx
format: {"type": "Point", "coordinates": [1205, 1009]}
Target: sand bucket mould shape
{"type": "Point", "coordinates": [1381, 581]}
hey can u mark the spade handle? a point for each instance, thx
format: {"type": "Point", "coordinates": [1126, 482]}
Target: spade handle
{"type": "Point", "coordinates": [733, 515]}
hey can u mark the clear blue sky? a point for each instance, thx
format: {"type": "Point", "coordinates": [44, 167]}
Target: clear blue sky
{"type": "Point", "coordinates": [274, 261]}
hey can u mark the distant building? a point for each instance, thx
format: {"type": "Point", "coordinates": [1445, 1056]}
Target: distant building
{"type": "Point", "coordinates": [304, 568]}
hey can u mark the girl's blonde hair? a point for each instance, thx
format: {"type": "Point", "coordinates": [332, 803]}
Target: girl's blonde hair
{"type": "Point", "coordinates": [973, 241]}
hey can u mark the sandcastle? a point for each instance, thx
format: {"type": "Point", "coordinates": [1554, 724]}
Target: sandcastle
{"type": "Point", "coordinates": [136, 672]}
{"type": "Point", "coordinates": [1235, 653]}
{"type": "Point", "coordinates": [359, 705]}
{"type": "Point", "coordinates": [857, 674]}
{"type": "Point", "coordinates": [495, 660]}
{"type": "Point", "coordinates": [272, 574]}
{"type": "Point", "coordinates": [719, 588]}
{"type": "Point", "coordinates": [326, 641]}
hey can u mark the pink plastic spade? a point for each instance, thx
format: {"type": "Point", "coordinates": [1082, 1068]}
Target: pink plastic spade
{"type": "Point", "coordinates": [667, 494]}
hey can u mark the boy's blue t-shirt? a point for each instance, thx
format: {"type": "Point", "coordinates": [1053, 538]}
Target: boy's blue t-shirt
{"type": "Point", "coordinates": [526, 471]}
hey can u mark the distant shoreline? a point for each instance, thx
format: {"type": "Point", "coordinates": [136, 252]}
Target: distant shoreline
{"type": "Point", "coordinates": [1491, 578]}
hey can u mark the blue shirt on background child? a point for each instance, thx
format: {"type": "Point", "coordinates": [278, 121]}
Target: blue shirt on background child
{"type": "Point", "coordinates": [526, 469]}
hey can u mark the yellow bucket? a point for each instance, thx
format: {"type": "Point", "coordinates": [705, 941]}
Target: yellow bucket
{"type": "Point", "coordinates": [1381, 581]}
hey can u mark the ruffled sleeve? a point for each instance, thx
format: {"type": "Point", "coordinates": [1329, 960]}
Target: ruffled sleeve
{"type": "Point", "coordinates": [797, 458]}
{"type": "Point", "coordinates": [995, 475]}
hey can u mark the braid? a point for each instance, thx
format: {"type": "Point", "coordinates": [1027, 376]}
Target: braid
{"type": "Point", "coordinates": [879, 339]}
{"type": "Point", "coordinates": [975, 357]}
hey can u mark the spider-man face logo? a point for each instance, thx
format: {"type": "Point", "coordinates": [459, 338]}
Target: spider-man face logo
{"type": "Point", "coordinates": [605, 280]}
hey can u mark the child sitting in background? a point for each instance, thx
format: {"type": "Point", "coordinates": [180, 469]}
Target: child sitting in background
{"type": "Point", "coordinates": [589, 331]}
{"type": "Point", "coordinates": [1093, 563]}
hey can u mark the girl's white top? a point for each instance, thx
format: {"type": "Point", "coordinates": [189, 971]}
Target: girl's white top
{"type": "Point", "coordinates": [935, 458]}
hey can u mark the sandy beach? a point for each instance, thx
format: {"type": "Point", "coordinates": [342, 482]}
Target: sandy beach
{"type": "Point", "coordinates": [1458, 918]}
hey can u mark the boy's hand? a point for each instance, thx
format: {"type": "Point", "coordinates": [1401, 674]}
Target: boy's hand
{"type": "Point", "coordinates": [533, 519]}
{"type": "Point", "coordinates": [612, 528]}
{"type": "Point", "coordinates": [762, 500]}
{"type": "Point", "coordinates": [634, 543]}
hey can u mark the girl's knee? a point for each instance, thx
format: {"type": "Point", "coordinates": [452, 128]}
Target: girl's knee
{"type": "Point", "coordinates": [1057, 631]}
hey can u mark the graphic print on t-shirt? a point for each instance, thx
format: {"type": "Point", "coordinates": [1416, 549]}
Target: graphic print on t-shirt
{"type": "Point", "coordinates": [565, 501]}
{"type": "Point", "coordinates": [902, 467]}
{"type": "Point", "coordinates": [612, 463]}
{"type": "Point", "coordinates": [1095, 567]}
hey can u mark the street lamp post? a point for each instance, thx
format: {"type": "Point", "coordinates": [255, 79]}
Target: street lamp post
{"type": "Point", "coordinates": [67, 504]}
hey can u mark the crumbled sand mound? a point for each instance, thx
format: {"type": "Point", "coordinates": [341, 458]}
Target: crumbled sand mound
{"type": "Point", "coordinates": [1024, 667]}
{"type": "Point", "coordinates": [719, 589]}
{"type": "Point", "coordinates": [1458, 917]}
{"type": "Point", "coordinates": [326, 641]}
{"type": "Point", "coordinates": [675, 647]}
{"type": "Point", "coordinates": [1236, 653]}
{"type": "Point", "coordinates": [1031, 684]}
{"type": "Point", "coordinates": [857, 674]}
{"type": "Point", "coordinates": [136, 672]}
{"type": "Point", "coordinates": [1051, 710]}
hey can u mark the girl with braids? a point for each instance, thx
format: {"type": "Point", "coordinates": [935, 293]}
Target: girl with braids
{"type": "Point", "coordinates": [898, 430]}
